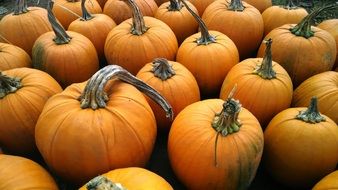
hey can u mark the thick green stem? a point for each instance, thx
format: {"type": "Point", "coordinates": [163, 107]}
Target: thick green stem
{"type": "Point", "coordinates": [20, 7]}
{"type": "Point", "coordinates": [175, 5]}
{"type": "Point", "coordinates": [8, 85]}
{"type": "Point", "coordinates": [311, 114]}
{"type": "Point", "coordinates": [61, 37]}
{"type": "Point", "coordinates": [265, 70]}
{"type": "Point", "coordinates": [94, 96]}
{"type": "Point", "coordinates": [103, 183]}
{"type": "Point", "coordinates": [236, 5]}
{"type": "Point", "coordinates": [85, 14]}
{"type": "Point", "coordinates": [205, 38]}
{"type": "Point", "coordinates": [162, 69]}
{"type": "Point", "coordinates": [290, 5]}
{"type": "Point", "coordinates": [139, 26]}
{"type": "Point", "coordinates": [304, 27]}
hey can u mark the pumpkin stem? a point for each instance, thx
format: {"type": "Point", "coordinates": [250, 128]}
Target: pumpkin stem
{"type": "Point", "coordinates": [139, 26]}
{"type": "Point", "coordinates": [72, 1]}
{"type": "Point", "coordinates": [311, 114]}
{"type": "Point", "coordinates": [8, 85]}
{"type": "Point", "coordinates": [85, 14]}
{"type": "Point", "coordinates": [103, 183]}
{"type": "Point", "coordinates": [20, 7]}
{"type": "Point", "coordinates": [205, 38]}
{"type": "Point", "coordinates": [265, 69]}
{"type": "Point", "coordinates": [226, 122]}
{"type": "Point", "coordinates": [94, 96]}
{"type": "Point", "coordinates": [61, 37]}
{"type": "Point", "coordinates": [162, 69]}
{"type": "Point", "coordinates": [290, 5]}
{"type": "Point", "coordinates": [175, 5]}
{"type": "Point", "coordinates": [236, 5]}
{"type": "Point", "coordinates": [304, 27]}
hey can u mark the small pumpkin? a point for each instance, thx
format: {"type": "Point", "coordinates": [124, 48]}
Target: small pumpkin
{"type": "Point", "coordinates": [301, 146]}
{"type": "Point", "coordinates": [261, 5]}
{"type": "Point", "coordinates": [18, 173]}
{"type": "Point", "coordinates": [128, 178]}
{"type": "Point", "coordinates": [12, 56]}
{"type": "Point", "coordinates": [328, 182]}
{"type": "Point", "coordinates": [201, 5]}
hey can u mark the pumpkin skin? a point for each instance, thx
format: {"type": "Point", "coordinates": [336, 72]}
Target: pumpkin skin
{"type": "Point", "coordinates": [325, 87]}
{"type": "Point", "coordinates": [20, 110]}
{"type": "Point", "coordinates": [328, 182]}
{"type": "Point", "coordinates": [299, 154]}
{"type": "Point", "coordinates": [201, 5]}
{"type": "Point", "coordinates": [191, 148]}
{"type": "Point", "coordinates": [261, 5]}
{"type": "Point", "coordinates": [134, 178]}
{"type": "Point", "coordinates": [27, 26]}
{"type": "Point", "coordinates": [65, 17]}
{"type": "Point", "coordinates": [18, 173]}
{"type": "Point", "coordinates": [245, 28]}
{"type": "Point", "coordinates": [119, 11]}
{"type": "Point", "coordinates": [12, 56]}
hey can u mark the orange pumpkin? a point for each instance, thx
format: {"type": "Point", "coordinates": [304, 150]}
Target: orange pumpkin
{"type": "Point", "coordinates": [111, 129]}
{"type": "Point", "coordinates": [12, 56]}
{"type": "Point", "coordinates": [24, 26]}
{"type": "Point", "coordinates": [129, 178]}
{"type": "Point", "coordinates": [18, 173]}
{"type": "Point", "coordinates": [178, 18]}
{"type": "Point", "coordinates": [69, 57]}
{"type": "Point", "coordinates": [301, 146]}
{"type": "Point", "coordinates": [211, 147]}
{"type": "Point", "coordinates": [174, 82]}
{"type": "Point", "coordinates": [138, 41]}
{"type": "Point", "coordinates": [160, 2]}
{"type": "Point", "coordinates": [23, 94]}
{"type": "Point", "coordinates": [261, 5]}
{"type": "Point", "coordinates": [201, 5]}
{"type": "Point", "coordinates": [241, 22]}
{"type": "Point", "coordinates": [119, 11]}
{"type": "Point", "coordinates": [328, 182]}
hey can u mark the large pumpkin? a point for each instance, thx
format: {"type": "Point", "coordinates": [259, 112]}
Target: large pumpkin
{"type": "Point", "coordinates": [139, 40]}
{"type": "Point", "coordinates": [215, 144]}
{"type": "Point", "coordinates": [23, 94]}
{"type": "Point", "coordinates": [84, 131]}
{"type": "Point", "coordinates": [18, 173]}
{"type": "Point", "coordinates": [12, 56]}
{"type": "Point", "coordinates": [264, 87]}
{"type": "Point", "coordinates": [241, 22]}
{"type": "Point", "coordinates": [24, 26]}
{"type": "Point", "coordinates": [69, 57]}
{"type": "Point", "coordinates": [174, 82]}
{"type": "Point", "coordinates": [325, 87]}
{"type": "Point", "coordinates": [128, 178]}
{"type": "Point", "coordinates": [301, 146]}
{"type": "Point", "coordinates": [261, 5]}
{"type": "Point", "coordinates": [328, 182]}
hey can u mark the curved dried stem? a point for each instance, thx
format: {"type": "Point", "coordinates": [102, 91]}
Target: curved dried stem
{"type": "Point", "coordinates": [265, 70]}
{"type": "Point", "coordinates": [236, 5]}
{"type": "Point", "coordinates": [311, 114]}
{"type": "Point", "coordinates": [175, 5]}
{"type": "Point", "coordinates": [8, 85]}
{"type": "Point", "coordinates": [85, 14]}
{"type": "Point", "coordinates": [139, 26]}
{"type": "Point", "coordinates": [162, 69]}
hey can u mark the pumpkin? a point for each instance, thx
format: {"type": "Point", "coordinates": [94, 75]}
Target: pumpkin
{"type": "Point", "coordinates": [328, 182]}
{"type": "Point", "coordinates": [325, 87]}
{"type": "Point", "coordinates": [12, 56]}
{"type": "Point", "coordinates": [128, 178]}
{"type": "Point", "coordinates": [111, 129]}
{"type": "Point", "coordinates": [301, 146]}
{"type": "Point", "coordinates": [302, 50]}
{"type": "Point", "coordinates": [331, 26]}
{"type": "Point", "coordinates": [208, 56]}
{"type": "Point", "coordinates": [279, 15]}
{"type": "Point", "coordinates": [28, 24]}
{"type": "Point", "coordinates": [215, 144]}
{"type": "Point", "coordinates": [69, 57]}
{"type": "Point", "coordinates": [261, 5]}
{"type": "Point", "coordinates": [137, 41]}
{"type": "Point", "coordinates": [18, 173]}
{"type": "Point", "coordinates": [95, 27]}
{"type": "Point", "coordinates": [119, 11]}
{"type": "Point", "coordinates": [201, 5]}
{"type": "Point", "coordinates": [174, 82]}
{"type": "Point", "coordinates": [23, 93]}
{"type": "Point", "coordinates": [241, 22]}
{"type": "Point", "coordinates": [269, 86]}
{"type": "Point", "coordinates": [160, 2]}
{"type": "Point", "coordinates": [178, 18]}
{"type": "Point", "coordinates": [66, 11]}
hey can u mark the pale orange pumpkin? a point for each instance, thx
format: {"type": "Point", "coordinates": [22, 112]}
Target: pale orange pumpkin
{"type": "Point", "coordinates": [12, 56]}
{"type": "Point", "coordinates": [261, 5]}
{"type": "Point", "coordinates": [328, 182]}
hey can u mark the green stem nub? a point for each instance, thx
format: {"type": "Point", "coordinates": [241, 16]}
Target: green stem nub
{"type": "Point", "coordinates": [20, 7]}
{"type": "Point", "coordinates": [61, 37]}
{"type": "Point", "coordinates": [162, 69]}
{"type": "Point", "coordinates": [103, 183]}
{"type": "Point", "coordinates": [175, 5]}
{"type": "Point", "coordinates": [290, 5]}
{"type": "Point", "coordinates": [8, 85]}
{"type": "Point", "coordinates": [236, 5]}
{"type": "Point", "coordinates": [304, 27]}
{"type": "Point", "coordinates": [139, 26]}
{"type": "Point", "coordinates": [205, 38]}
{"type": "Point", "coordinates": [85, 14]}
{"type": "Point", "coordinates": [265, 69]}
{"type": "Point", "coordinates": [311, 114]}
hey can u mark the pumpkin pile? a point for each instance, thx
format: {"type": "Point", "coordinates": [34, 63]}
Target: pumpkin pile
{"type": "Point", "coordinates": [168, 94]}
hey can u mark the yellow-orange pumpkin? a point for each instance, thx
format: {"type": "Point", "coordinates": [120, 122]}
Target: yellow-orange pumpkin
{"type": "Point", "coordinates": [12, 56]}
{"type": "Point", "coordinates": [328, 182]}
{"type": "Point", "coordinates": [261, 5]}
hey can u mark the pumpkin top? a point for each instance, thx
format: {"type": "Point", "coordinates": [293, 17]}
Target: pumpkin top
{"type": "Point", "coordinates": [8, 85]}
{"type": "Point", "coordinates": [162, 69]}
{"type": "Point", "coordinates": [85, 14]}
{"type": "Point", "coordinates": [236, 5]}
{"type": "Point", "coordinates": [265, 70]}
{"type": "Point", "coordinates": [175, 5]}
{"type": "Point", "coordinates": [103, 183]}
{"type": "Point", "coordinates": [138, 27]}
{"type": "Point", "coordinates": [311, 114]}
{"type": "Point", "coordinates": [290, 5]}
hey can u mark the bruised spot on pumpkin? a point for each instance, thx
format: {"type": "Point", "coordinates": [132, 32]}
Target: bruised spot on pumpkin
{"type": "Point", "coordinates": [328, 60]}
{"type": "Point", "coordinates": [37, 56]}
